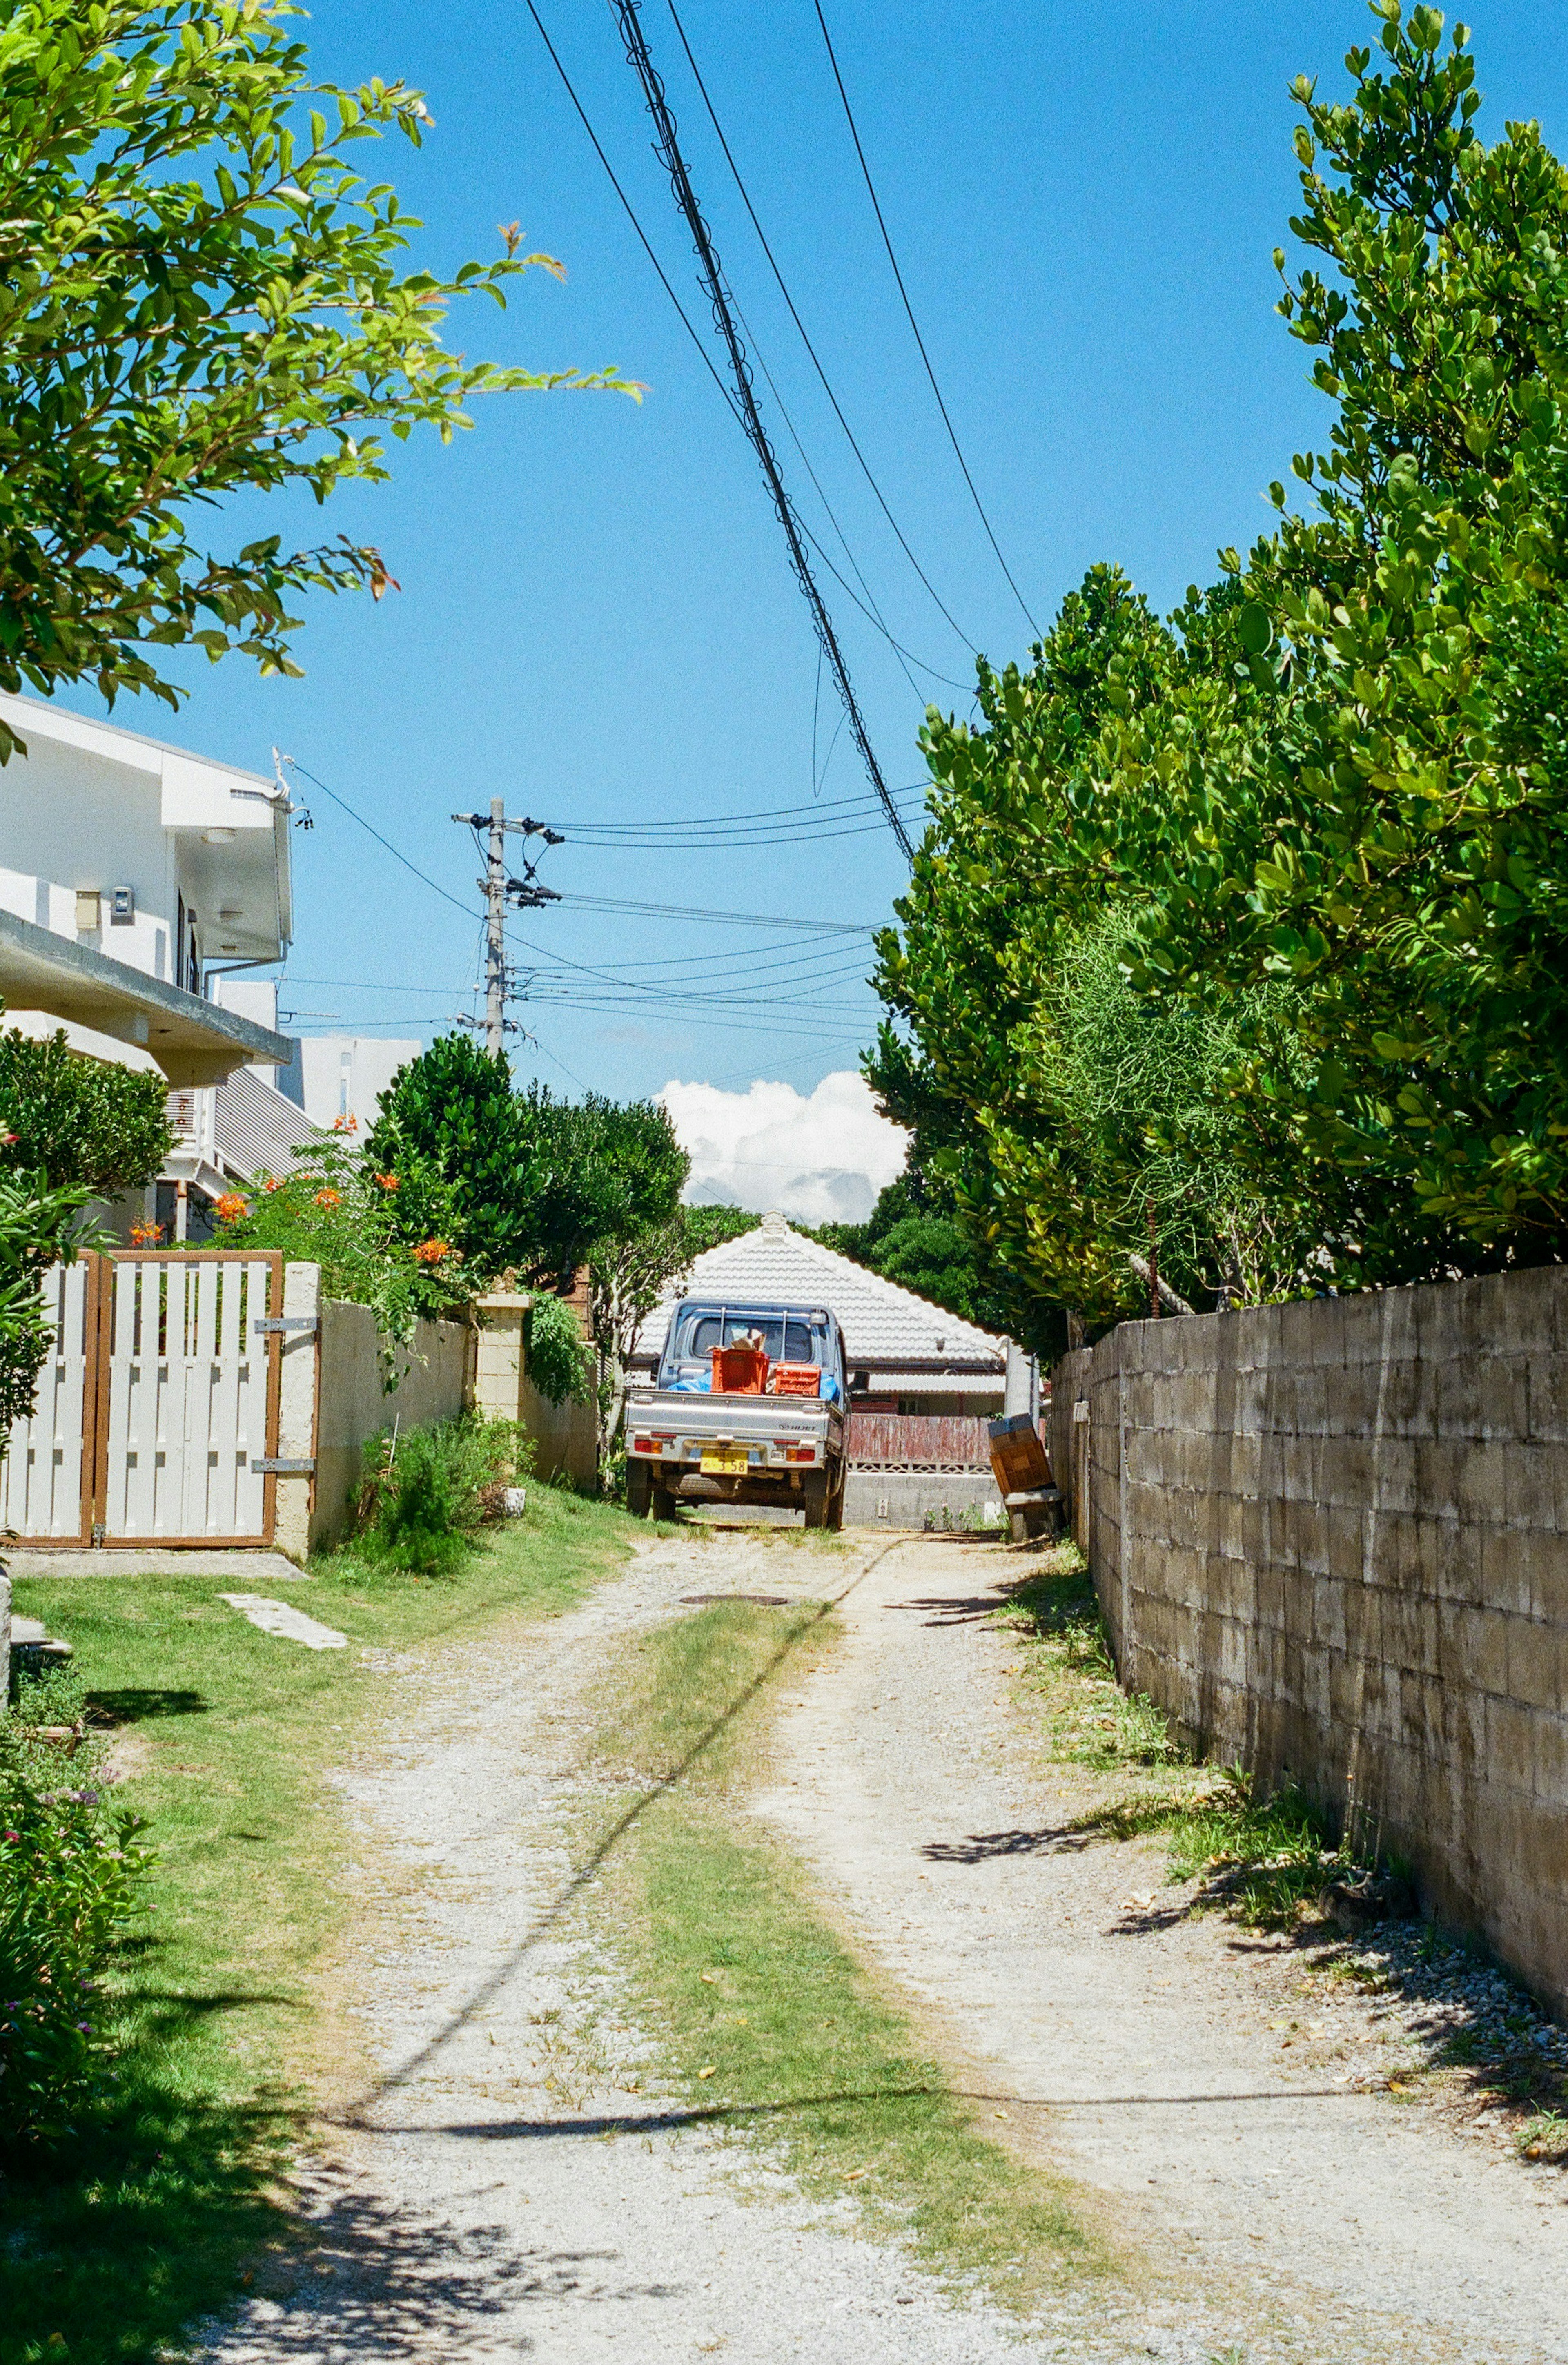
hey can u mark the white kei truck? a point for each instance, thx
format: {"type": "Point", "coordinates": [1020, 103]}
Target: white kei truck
{"type": "Point", "coordinates": [686, 1443]}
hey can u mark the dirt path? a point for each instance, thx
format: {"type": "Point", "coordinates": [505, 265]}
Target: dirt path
{"type": "Point", "coordinates": [1167, 2060]}
{"type": "Point", "coordinates": [503, 2187]}
{"type": "Point", "coordinates": [505, 2193]}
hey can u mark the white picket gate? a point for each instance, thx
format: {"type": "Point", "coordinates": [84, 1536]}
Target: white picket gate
{"type": "Point", "coordinates": [45, 1479]}
{"type": "Point", "coordinates": [160, 1401]}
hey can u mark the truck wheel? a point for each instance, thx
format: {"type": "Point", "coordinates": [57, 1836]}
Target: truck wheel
{"type": "Point", "coordinates": [639, 1489]}
{"type": "Point", "coordinates": [815, 1496]}
{"type": "Point", "coordinates": [835, 1503]}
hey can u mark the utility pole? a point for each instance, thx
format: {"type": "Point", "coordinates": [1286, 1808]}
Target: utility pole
{"type": "Point", "coordinates": [496, 930]}
{"type": "Point", "coordinates": [525, 894]}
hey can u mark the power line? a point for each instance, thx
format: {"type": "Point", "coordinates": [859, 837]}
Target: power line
{"type": "Point", "coordinates": [833, 807]}
{"type": "Point", "coordinates": [669, 149]}
{"type": "Point", "coordinates": [423, 876]}
{"type": "Point", "coordinates": [909, 309]}
{"type": "Point", "coordinates": [805, 340]}
{"type": "Point", "coordinates": [707, 359]}
{"type": "Point", "coordinates": [724, 919]}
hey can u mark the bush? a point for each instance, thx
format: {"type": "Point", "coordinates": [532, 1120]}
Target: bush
{"type": "Point", "coordinates": [425, 1493]}
{"type": "Point", "coordinates": [71, 1868]}
{"type": "Point", "coordinates": [557, 1357]}
{"type": "Point", "coordinates": [382, 1237]}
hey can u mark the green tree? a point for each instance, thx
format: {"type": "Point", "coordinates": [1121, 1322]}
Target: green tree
{"type": "Point", "coordinates": [453, 1109]}
{"type": "Point", "coordinates": [645, 1242]}
{"type": "Point", "coordinates": [40, 1225]}
{"type": "Point", "coordinates": [78, 1120]}
{"type": "Point", "coordinates": [199, 298]}
{"type": "Point", "coordinates": [1325, 804]}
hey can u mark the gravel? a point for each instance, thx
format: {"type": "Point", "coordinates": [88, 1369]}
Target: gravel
{"type": "Point", "coordinates": [504, 2184]}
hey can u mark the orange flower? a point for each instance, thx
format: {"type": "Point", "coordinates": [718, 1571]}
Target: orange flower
{"type": "Point", "coordinates": [146, 1236]}
{"type": "Point", "coordinates": [329, 1198]}
{"type": "Point", "coordinates": [432, 1252]}
{"type": "Point", "coordinates": [387, 1181]}
{"type": "Point", "coordinates": [232, 1206]}
{"type": "Point", "coordinates": [272, 1182]}
{"type": "Point", "coordinates": [345, 1125]}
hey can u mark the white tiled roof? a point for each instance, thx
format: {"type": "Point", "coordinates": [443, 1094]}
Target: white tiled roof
{"type": "Point", "coordinates": [884, 1327]}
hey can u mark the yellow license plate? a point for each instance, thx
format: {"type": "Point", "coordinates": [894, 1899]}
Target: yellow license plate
{"type": "Point", "coordinates": [725, 1459]}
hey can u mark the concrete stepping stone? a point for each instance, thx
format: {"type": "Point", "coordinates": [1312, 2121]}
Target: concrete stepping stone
{"type": "Point", "coordinates": [282, 1617]}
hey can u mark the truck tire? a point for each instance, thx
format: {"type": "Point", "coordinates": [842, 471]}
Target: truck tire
{"type": "Point", "coordinates": [836, 1500]}
{"type": "Point", "coordinates": [814, 1498]}
{"type": "Point", "coordinates": [639, 1489]}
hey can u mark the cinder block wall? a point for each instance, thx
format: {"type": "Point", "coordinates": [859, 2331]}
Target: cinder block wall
{"type": "Point", "coordinates": [333, 1399]}
{"type": "Point", "coordinates": [1331, 1539]}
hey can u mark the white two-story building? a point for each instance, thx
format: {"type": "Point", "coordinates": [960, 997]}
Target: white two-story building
{"type": "Point", "coordinates": [138, 881]}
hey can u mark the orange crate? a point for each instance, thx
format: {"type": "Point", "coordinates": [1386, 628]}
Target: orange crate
{"type": "Point", "coordinates": [794, 1380]}
{"type": "Point", "coordinates": [739, 1371]}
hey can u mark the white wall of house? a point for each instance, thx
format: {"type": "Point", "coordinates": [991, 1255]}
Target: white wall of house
{"type": "Point", "coordinates": [197, 850]}
{"type": "Point", "coordinates": [345, 1075]}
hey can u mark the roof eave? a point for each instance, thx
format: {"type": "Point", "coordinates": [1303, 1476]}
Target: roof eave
{"type": "Point", "coordinates": [193, 1041]}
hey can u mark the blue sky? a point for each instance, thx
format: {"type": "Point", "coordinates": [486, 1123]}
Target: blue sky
{"type": "Point", "coordinates": [597, 619]}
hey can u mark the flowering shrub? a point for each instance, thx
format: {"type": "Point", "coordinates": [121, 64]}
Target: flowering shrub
{"type": "Point", "coordinates": [146, 1236]}
{"type": "Point", "coordinates": [381, 1240]}
{"type": "Point", "coordinates": [71, 1866]}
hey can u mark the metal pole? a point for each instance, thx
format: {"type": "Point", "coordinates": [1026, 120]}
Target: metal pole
{"type": "Point", "coordinates": [494, 930]}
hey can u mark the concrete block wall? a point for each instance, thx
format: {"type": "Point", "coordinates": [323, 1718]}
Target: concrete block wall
{"type": "Point", "coordinates": [333, 1399]}
{"type": "Point", "coordinates": [566, 1435]}
{"type": "Point", "coordinates": [1330, 1538]}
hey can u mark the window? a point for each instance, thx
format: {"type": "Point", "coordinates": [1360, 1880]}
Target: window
{"type": "Point", "coordinates": [789, 1341]}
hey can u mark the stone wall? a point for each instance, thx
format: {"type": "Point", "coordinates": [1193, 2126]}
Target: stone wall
{"type": "Point", "coordinates": [1330, 1538]}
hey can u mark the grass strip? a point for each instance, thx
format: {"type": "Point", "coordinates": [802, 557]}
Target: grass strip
{"type": "Point", "coordinates": [1262, 1858]}
{"type": "Point", "coordinates": [769, 2024]}
{"type": "Point", "coordinates": [172, 2200]}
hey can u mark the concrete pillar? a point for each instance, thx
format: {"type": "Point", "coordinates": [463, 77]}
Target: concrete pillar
{"type": "Point", "coordinates": [1022, 1387]}
{"type": "Point", "coordinates": [297, 1421]}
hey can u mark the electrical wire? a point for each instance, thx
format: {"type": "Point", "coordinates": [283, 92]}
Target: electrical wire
{"type": "Point", "coordinates": [707, 359]}
{"type": "Point", "coordinates": [721, 919]}
{"type": "Point", "coordinates": [668, 146]}
{"type": "Point", "coordinates": [805, 340]}
{"type": "Point", "coordinates": [909, 309]}
{"type": "Point", "coordinates": [832, 808]}
{"type": "Point", "coordinates": [423, 876]}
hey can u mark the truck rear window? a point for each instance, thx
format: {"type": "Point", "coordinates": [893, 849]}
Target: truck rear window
{"type": "Point", "coordinates": [783, 1341]}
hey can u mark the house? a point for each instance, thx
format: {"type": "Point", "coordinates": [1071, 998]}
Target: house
{"type": "Point", "coordinates": [136, 880]}
{"type": "Point", "coordinates": [904, 1354]}
{"type": "Point", "coordinates": [923, 1383]}
{"type": "Point", "coordinates": [344, 1076]}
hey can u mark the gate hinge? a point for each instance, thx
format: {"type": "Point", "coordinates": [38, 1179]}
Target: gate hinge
{"type": "Point", "coordinates": [267, 1466]}
{"type": "Point", "coordinates": [273, 1324]}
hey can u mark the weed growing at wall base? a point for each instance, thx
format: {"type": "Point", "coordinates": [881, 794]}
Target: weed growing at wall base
{"type": "Point", "coordinates": [1266, 1859]}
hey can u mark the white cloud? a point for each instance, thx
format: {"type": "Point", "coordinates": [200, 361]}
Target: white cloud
{"type": "Point", "coordinates": [822, 1158]}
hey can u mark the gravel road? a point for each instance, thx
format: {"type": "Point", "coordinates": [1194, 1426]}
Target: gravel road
{"type": "Point", "coordinates": [499, 2185]}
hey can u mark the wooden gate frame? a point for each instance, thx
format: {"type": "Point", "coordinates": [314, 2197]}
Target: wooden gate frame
{"type": "Point", "coordinates": [95, 1406]}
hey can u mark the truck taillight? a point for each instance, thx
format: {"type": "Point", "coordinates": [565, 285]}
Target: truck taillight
{"type": "Point", "coordinates": [797, 1452]}
{"type": "Point", "coordinates": [642, 1445]}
